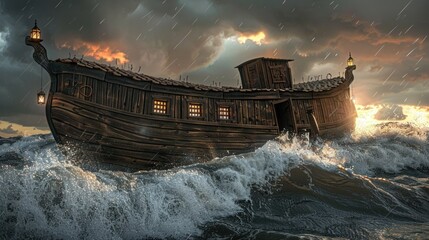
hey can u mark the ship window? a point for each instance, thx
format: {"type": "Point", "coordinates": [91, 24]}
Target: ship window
{"type": "Point", "coordinates": [224, 112]}
{"type": "Point", "coordinates": [195, 110]}
{"type": "Point", "coordinates": [160, 106]}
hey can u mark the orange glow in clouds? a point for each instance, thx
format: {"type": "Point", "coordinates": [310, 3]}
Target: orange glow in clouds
{"type": "Point", "coordinates": [256, 38]}
{"type": "Point", "coordinates": [98, 51]}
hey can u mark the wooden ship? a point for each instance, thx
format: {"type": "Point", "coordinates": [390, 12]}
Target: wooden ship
{"type": "Point", "coordinates": [142, 122]}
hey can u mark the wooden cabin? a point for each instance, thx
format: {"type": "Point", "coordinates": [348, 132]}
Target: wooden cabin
{"type": "Point", "coordinates": [268, 73]}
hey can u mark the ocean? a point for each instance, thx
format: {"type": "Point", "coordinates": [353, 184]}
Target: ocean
{"type": "Point", "coordinates": [370, 184]}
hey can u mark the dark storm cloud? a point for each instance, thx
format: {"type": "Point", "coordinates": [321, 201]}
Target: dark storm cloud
{"type": "Point", "coordinates": [196, 38]}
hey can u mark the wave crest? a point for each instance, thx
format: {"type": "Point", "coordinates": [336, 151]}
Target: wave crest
{"type": "Point", "coordinates": [44, 194]}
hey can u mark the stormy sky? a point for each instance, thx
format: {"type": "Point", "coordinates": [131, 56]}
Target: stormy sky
{"type": "Point", "coordinates": [206, 39]}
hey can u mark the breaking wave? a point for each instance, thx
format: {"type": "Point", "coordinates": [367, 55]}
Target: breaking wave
{"type": "Point", "coordinates": [364, 185]}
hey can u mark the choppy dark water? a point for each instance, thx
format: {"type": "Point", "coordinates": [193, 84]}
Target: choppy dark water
{"type": "Point", "coordinates": [364, 186]}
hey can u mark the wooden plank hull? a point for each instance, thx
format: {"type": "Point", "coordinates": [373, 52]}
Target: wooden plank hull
{"type": "Point", "coordinates": [137, 141]}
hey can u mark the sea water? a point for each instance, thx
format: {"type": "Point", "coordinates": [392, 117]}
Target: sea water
{"type": "Point", "coordinates": [365, 185]}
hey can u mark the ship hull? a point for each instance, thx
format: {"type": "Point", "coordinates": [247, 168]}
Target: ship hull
{"type": "Point", "coordinates": [146, 142]}
{"type": "Point", "coordinates": [132, 141]}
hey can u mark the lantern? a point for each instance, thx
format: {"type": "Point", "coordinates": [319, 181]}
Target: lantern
{"type": "Point", "coordinates": [35, 34]}
{"type": "Point", "coordinates": [41, 97]}
{"type": "Point", "coordinates": [350, 60]}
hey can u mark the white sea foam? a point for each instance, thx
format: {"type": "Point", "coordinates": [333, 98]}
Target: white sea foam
{"type": "Point", "coordinates": [51, 197]}
{"type": "Point", "coordinates": [390, 147]}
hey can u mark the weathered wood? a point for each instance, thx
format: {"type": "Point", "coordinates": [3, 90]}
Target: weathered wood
{"type": "Point", "coordinates": [95, 112]}
{"type": "Point", "coordinates": [84, 132]}
{"type": "Point", "coordinates": [257, 113]}
{"type": "Point", "coordinates": [119, 132]}
{"type": "Point", "coordinates": [40, 54]}
{"type": "Point", "coordinates": [266, 73]}
{"type": "Point", "coordinates": [110, 111]}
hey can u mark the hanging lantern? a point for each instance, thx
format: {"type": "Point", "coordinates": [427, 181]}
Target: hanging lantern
{"type": "Point", "coordinates": [41, 97]}
{"type": "Point", "coordinates": [350, 60]}
{"type": "Point", "coordinates": [35, 34]}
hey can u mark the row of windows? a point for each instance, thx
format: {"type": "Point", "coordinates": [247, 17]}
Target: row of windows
{"type": "Point", "coordinates": [195, 110]}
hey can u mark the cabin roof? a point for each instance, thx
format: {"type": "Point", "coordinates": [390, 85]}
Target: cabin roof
{"type": "Point", "coordinates": [313, 86]}
{"type": "Point", "coordinates": [264, 58]}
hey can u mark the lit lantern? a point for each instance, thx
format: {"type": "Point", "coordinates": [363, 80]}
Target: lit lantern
{"type": "Point", "coordinates": [41, 97]}
{"type": "Point", "coordinates": [35, 34]}
{"type": "Point", "coordinates": [350, 60]}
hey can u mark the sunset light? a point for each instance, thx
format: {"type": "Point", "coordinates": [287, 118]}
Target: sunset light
{"type": "Point", "coordinates": [366, 121]}
{"type": "Point", "coordinates": [98, 51]}
{"type": "Point", "coordinates": [256, 38]}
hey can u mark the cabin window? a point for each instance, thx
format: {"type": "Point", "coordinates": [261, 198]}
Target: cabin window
{"type": "Point", "coordinates": [160, 106]}
{"type": "Point", "coordinates": [195, 110]}
{"type": "Point", "coordinates": [224, 112]}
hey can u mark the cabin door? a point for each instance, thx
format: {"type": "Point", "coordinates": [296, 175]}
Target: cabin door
{"type": "Point", "coordinates": [284, 115]}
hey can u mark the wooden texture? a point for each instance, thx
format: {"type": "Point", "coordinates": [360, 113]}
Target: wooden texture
{"type": "Point", "coordinates": [109, 112]}
{"type": "Point", "coordinates": [117, 124]}
{"type": "Point", "coordinates": [151, 138]}
{"type": "Point", "coordinates": [266, 73]}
